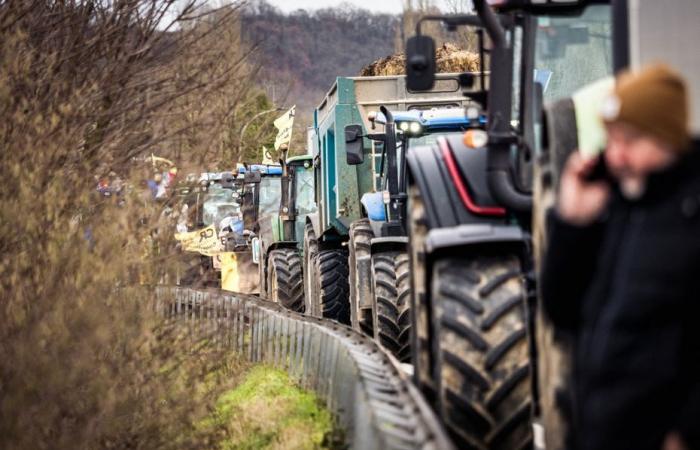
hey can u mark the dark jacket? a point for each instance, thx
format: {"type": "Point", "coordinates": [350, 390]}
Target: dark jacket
{"type": "Point", "coordinates": [628, 289]}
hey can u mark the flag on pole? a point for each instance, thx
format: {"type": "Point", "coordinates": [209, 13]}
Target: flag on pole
{"type": "Point", "coordinates": [284, 124]}
{"type": "Point", "coordinates": [267, 157]}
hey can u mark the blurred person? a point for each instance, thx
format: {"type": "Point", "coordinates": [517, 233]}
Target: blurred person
{"type": "Point", "coordinates": [620, 271]}
{"type": "Point", "coordinates": [153, 184]}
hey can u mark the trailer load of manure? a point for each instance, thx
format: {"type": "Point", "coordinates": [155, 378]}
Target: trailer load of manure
{"type": "Point", "coordinates": [449, 58]}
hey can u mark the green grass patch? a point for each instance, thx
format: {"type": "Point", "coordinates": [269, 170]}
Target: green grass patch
{"type": "Point", "coordinates": [267, 410]}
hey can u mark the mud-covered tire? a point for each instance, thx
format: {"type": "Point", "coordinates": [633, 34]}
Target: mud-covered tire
{"type": "Point", "coordinates": [331, 279]}
{"type": "Point", "coordinates": [391, 286]}
{"type": "Point", "coordinates": [554, 350]}
{"type": "Point", "coordinates": [359, 263]}
{"type": "Point", "coordinates": [481, 351]}
{"type": "Point", "coordinates": [310, 252]}
{"type": "Point", "coordinates": [285, 279]}
{"type": "Point", "coordinates": [421, 311]}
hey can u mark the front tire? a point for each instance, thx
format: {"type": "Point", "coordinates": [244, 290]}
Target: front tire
{"type": "Point", "coordinates": [391, 308]}
{"type": "Point", "coordinates": [361, 235]}
{"type": "Point", "coordinates": [481, 352]}
{"type": "Point", "coordinates": [310, 252]}
{"type": "Point", "coordinates": [285, 279]}
{"type": "Point", "coordinates": [331, 285]}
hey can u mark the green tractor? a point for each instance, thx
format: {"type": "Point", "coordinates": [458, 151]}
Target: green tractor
{"type": "Point", "coordinates": [278, 252]}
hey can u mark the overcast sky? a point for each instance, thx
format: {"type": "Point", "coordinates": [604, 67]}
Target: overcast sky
{"type": "Point", "coordinates": [390, 6]}
{"type": "Point", "coordinates": [383, 6]}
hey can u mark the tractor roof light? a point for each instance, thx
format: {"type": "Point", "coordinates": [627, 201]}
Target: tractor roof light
{"type": "Point", "coordinates": [476, 138]}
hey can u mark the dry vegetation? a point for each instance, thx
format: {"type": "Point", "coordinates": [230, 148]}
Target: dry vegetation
{"type": "Point", "coordinates": [89, 87]}
{"type": "Point", "coordinates": [448, 58]}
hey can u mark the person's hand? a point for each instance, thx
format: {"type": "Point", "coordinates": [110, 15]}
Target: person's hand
{"type": "Point", "coordinates": [581, 201]}
{"type": "Point", "coordinates": [674, 441]}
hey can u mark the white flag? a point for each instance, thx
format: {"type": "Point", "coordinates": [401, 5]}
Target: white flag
{"type": "Point", "coordinates": [284, 124]}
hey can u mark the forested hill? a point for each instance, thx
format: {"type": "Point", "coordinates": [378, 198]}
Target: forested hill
{"type": "Point", "coordinates": [304, 51]}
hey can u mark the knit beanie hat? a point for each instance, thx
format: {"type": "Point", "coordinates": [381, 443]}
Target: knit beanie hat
{"type": "Point", "coordinates": [654, 101]}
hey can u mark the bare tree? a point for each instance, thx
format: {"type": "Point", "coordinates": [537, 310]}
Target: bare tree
{"type": "Point", "coordinates": [87, 88]}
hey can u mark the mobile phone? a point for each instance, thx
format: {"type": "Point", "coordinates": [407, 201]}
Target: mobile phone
{"type": "Point", "coordinates": [600, 171]}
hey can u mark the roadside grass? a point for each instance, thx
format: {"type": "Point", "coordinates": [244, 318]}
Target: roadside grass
{"type": "Point", "coordinates": [267, 410]}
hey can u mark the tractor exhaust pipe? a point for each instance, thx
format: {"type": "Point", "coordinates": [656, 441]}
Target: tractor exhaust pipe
{"type": "Point", "coordinates": [499, 176]}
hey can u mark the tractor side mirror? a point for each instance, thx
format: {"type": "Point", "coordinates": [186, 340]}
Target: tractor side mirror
{"type": "Point", "coordinates": [353, 145]}
{"type": "Point", "coordinates": [420, 63]}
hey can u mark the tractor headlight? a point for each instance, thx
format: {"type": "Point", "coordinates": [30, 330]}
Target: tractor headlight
{"type": "Point", "coordinates": [415, 128]}
{"type": "Point", "coordinates": [403, 126]}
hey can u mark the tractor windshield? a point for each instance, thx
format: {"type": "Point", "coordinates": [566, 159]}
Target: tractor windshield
{"type": "Point", "coordinates": [573, 51]}
{"type": "Point", "coordinates": [218, 203]}
{"type": "Point", "coordinates": [304, 191]}
{"type": "Point", "coordinates": [270, 192]}
{"type": "Point", "coordinates": [270, 195]}
{"type": "Point", "coordinates": [304, 198]}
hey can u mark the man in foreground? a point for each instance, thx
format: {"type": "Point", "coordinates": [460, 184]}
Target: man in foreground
{"type": "Point", "coordinates": [622, 269]}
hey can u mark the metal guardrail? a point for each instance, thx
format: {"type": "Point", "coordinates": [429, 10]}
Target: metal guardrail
{"type": "Point", "coordinates": [372, 400]}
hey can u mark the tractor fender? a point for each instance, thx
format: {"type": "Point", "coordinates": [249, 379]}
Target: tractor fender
{"type": "Point", "coordinates": [383, 244]}
{"type": "Point", "coordinates": [444, 208]}
{"type": "Point", "coordinates": [468, 235]}
{"type": "Point", "coordinates": [373, 203]}
{"type": "Point", "coordinates": [281, 244]}
{"type": "Point", "coordinates": [315, 221]}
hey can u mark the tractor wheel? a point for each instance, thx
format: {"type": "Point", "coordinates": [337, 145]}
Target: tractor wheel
{"type": "Point", "coordinates": [481, 351]}
{"type": "Point", "coordinates": [285, 282]}
{"type": "Point", "coordinates": [310, 252]}
{"type": "Point", "coordinates": [361, 235]}
{"type": "Point", "coordinates": [331, 279]}
{"type": "Point", "coordinates": [553, 350]}
{"type": "Point", "coordinates": [421, 311]}
{"type": "Point", "coordinates": [391, 308]}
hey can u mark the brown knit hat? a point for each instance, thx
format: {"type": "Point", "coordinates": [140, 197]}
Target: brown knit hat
{"type": "Point", "coordinates": [654, 101]}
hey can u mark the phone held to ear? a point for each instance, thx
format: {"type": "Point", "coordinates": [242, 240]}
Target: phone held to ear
{"type": "Point", "coordinates": [600, 171]}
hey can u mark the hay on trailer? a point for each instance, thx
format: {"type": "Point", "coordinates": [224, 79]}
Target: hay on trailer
{"type": "Point", "coordinates": [449, 58]}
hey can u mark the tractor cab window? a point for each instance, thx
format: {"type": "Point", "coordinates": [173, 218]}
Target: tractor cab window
{"type": "Point", "coordinates": [304, 191]}
{"type": "Point", "coordinates": [571, 52]}
{"type": "Point", "coordinates": [270, 192]}
{"type": "Point", "coordinates": [218, 203]}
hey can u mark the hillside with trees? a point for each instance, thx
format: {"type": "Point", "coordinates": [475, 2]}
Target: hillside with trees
{"type": "Point", "coordinates": [300, 54]}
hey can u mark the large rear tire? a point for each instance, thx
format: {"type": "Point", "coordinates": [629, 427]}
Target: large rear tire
{"type": "Point", "coordinates": [310, 252]}
{"type": "Point", "coordinates": [285, 279]}
{"type": "Point", "coordinates": [482, 364]}
{"type": "Point", "coordinates": [331, 279]}
{"type": "Point", "coordinates": [391, 309]}
{"type": "Point", "coordinates": [359, 259]}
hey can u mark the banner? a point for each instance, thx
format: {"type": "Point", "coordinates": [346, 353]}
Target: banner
{"type": "Point", "coordinates": [204, 241]}
{"type": "Point", "coordinates": [284, 124]}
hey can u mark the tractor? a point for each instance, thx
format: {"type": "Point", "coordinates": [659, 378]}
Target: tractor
{"type": "Point", "coordinates": [379, 268]}
{"type": "Point", "coordinates": [258, 189]}
{"type": "Point", "coordinates": [486, 359]}
{"type": "Point", "coordinates": [355, 260]}
{"type": "Point", "coordinates": [279, 252]}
